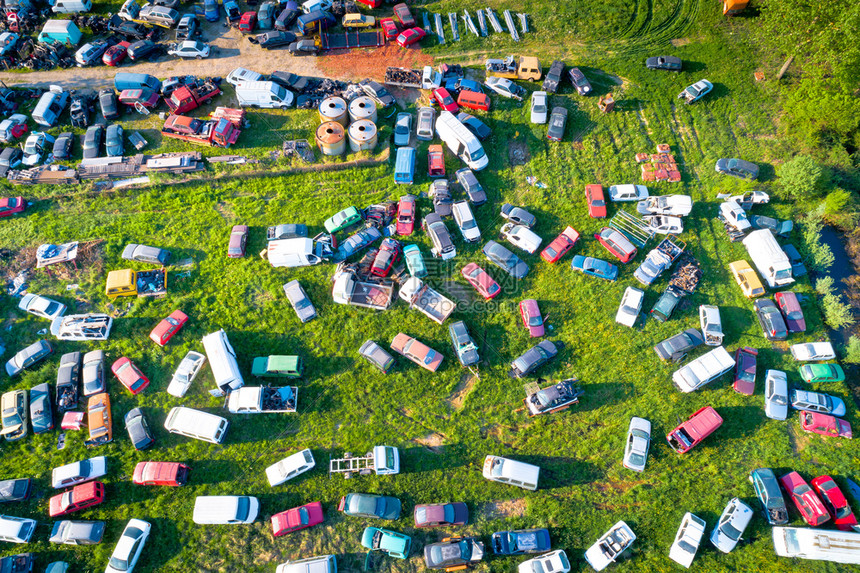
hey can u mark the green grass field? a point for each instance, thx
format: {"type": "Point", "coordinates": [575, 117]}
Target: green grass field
{"type": "Point", "coordinates": [444, 424]}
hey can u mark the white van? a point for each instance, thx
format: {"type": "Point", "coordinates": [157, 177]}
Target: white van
{"type": "Point", "coordinates": [195, 424]}
{"type": "Point", "coordinates": [290, 467]}
{"type": "Point", "coordinates": [461, 141]}
{"type": "Point", "coordinates": [817, 544]}
{"type": "Point", "coordinates": [16, 529]}
{"type": "Point", "coordinates": [511, 472]}
{"type": "Point", "coordinates": [222, 361]}
{"type": "Point", "coordinates": [225, 509]}
{"type": "Point", "coordinates": [322, 564]}
{"type": "Point", "coordinates": [297, 252]}
{"type": "Point", "coordinates": [264, 94]}
{"type": "Point", "coordinates": [466, 222]}
{"type": "Point", "coordinates": [522, 237]}
{"type": "Point", "coordinates": [72, 6]}
{"type": "Point", "coordinates": [769, 258]}
{"type": "Point", "coordinates": [50, 106]}
{"type": "Point", "coordinates": [315, 5]}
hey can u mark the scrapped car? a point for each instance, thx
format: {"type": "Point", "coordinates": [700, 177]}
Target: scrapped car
{"type": "Point", "coordinates": [78, 472]}
{"type": "Point", "coordinates": [92, 141]}
{"type": "Point", "coordinates": [464, 346]}
{"type": "Point", "coordinates": [553, 76]}
{"type": "Point", "coordinates": [734, 215]}
{"type": "Point", "coordinates": [453, 553]}
{"type": "Point", "coordinates": [594, 267]}
{"type": "Point", "coordinates": [377, 92]}
{"type": "Point", "coordinates": [475, 125]}
{"type": "Point", "coordinates": [414, 261]}
{"type": "Point", "coordinates": [36, 146]}
{"type": "Point", "coordinates": [557, 123]}
{"type": "Point", "coordinates": [417, 352]}
{"type": "Point", "coordinates": [189, 49]}
{"type": "Point", "coordinates": [389, 28]}
{"type": "Point", "coordinates": [273, 39]}
{"type": "Point", "coordinates": [466, 222]}
{"type": "Point", "coordinates": [171, 474]}
{"type": "Point", "coordinates": [445, 100]}
{"type": "Point", "coordinates": [554, 398]}
{"type": "Point", "coordinates": [13, 127]}
{"type": "Point", "coordinates": [776, 395]}
{"type": "Point", "coordinates": [789, 306]}
{"type": "Point", "coordinates": [505, 88]}
{"type": "Point", "coordinates": [747, 279]}
{"type": "Point", "coordinates": [410, 36]}
{"type": "Point", "coordinates": [809, 505]}
{"type": "Point", "coordinates": [386, 256]}
{"type": "Point", "coordinates": [835, 502]}
{"type": "Point", "coordinates": [687, 540]}
{"type": "Point", "coordinates": [521, 236]}
{"type": "Point", "coordinates": [63, 146]}
{"type": "Point", "coordinates": [129, 375]}
{"type": "Point", "coordinates": [620, 193]}
{"type": "Point", "coordinates": [377, 356]}
{"type": "Point", "coordinates": [302, 305]}
{"type": "Point", "coordinates": [531, 317]}
{"type": "Point", "coordinates": [389, 542]}
{"type": "Point", "coordinates": [29, 356]}
{"type": "Point", "coordinates": [767, 489]}
{"type": "Point", "coordinates": [696, 91]}
{"type": "Point", "coordinates": [672, 205]}
{"type": "Point", "coordinates": [630, 306]}
{"type": "Point", "coordinates": [238, 240]}
{"type": "Point", "coordinates": [616, 243]}
{"type": "Point", "coordinates": [825, 424]}
{"type": "Point", "coordinates": [481, 281]}
{"type": "Point", "coordinates": [343, 219]}
{"type": "Point", "coordinates": [443, 200]}
{"type": "Point", "coordinates": [403, 129]}
{"type": "Point", "coordinates": [466, 178]}
{"type": "Point", "coordinates": [505, 260]}
{"type": "Point", "coordinates": [114, 145]}
{"type": "Point", "coordinates": [297, 518]}
{"type": "Point", "coordinates": [426, 120]}
{"type": "Point", "coordinates": [129, 547]}
{"type": "Point", "coordinates": [813, 351]}
{"type": "Point", "coordinates": [79, 497]}
{"type": "Point", "coordinates": [41, 306]}
{"type": "Point", "coordinates": [41, 413]}
{"type": "Point", "coordinates": [518, 215]}
{"type": "Point", "coordinates": [77, 532]}
{"type": "Point", "coordinates": [555, 561]}
{"type": "Point", "coordinates": [534, 358]}
{"type": "Point", "coordinates": [403, 15]}
{"type": "Point", "coordinates": [138, 429]}
{"type": "Point", "coordinates": [731, 525]}
{"type": "Point", "coordinates": [745, 369]}
{"type": "Point", "coordinates": [778, 228]}
{"type": "Point", "coordinates": [439, 514]}
{"type": "Point", "coordinates": [675, 348]}
{"type": "Point", "coordinates": [737, 168]}
{"type": "Point", "coordinates": [15, 412]}
{"type": "Point", "coordinates": [146, 254]}
{"type": "Point", "coordinates": [93, 373]}
{"type": "Point", "coordinates": [538, 107]}
{"type": "Point", "coordinates": [290, 467]}
{"type": "Point", "coordinates": [664, 224]}
{"type": "Point", "coordinates": [821, 373]}
{"type": "Point", "coordinates": [164, 330]}
{"type": "Point", "coordinates": [690, 433]}
{"type": "Point", "coordinates": [406, 214]}
{"type": "Point", "coordinates": [671, 63]}
{"type": "Point", "coordinates": [579, 81]}
{"type": "Point", "coordinates": [520, 542]}
{"type": "Point", "coordinates": [638, 442]}
{"type": "Point", "coordinates": [610, 546]}
{"type": "Point", "coordinates": [560, 245]}
{"type": "Point", "coordinates": [770, 320]}
{"type": "Point", "coordinates": [185, 373]}
{"type": "Point", "coordinates": [596, 201]}
{"type": "Point", "coordinates": [817, 402]}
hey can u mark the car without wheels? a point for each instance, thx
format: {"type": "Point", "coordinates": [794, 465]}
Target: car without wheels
{"type": "Point", "coordinates": [731, 525]}
{"type": "Point", "coordinates": [555, 561]}
{"type": "Point", "coordinates": [534, 358]}
{"type": "Point", "coordinates": [817, 402]}
{"type": "Point", "coordinates": [776, 395]}
{"type": "Point", "coordinates": [389, 542]}
{"type": "Point", "coordinates": [594, 267]}
{"type": "Point", "coordinates": [701, 424]}
{"type": "Point", "coordinates": [518, 215]}
{"type": "Point", "coordinates": [553, 77]}
{"type": "Point", "coordinates": [737, 168]}
{"type": "Point", "coordinates": [481, 281]}
{"type": "Point", "coordinates": [767, 489]}
{"type": "Point", "coordinates": [505, 88]}
{"type": "Point", "coordinates": [41, 306]}
{"type": "Point", "coordinates": [475, 125]}
{"type": "Point", "coordinates": [745, 370]}
{"type": "Point", "coordinates": [579, 81]}
{"type": "Point", "coordinates": [687, 540]}
{"type": "Point", "coordinates": [813, 351]}
{"type": "Point", "coordinates": [557, 123]}
{"type": "Point", "coordinates": [426, 120]}
{"type": "Point", "coordinates": [835, 502]}
{"type": "Point", "coordinates": [300, 302]}
{"type": "Point", "coordinates": [453, 553]}
{"type": "Point", "coordinates": [825, 425]}
{"type": "Point", "coordinates": [370, 506]}
{"type": "Point", "coordinates": [610, 546]}
{"type": "Point", "coordinates": [77, 532]}
{"type": "Point", "coordinates": [403, 129]}
{"type": "Point", "coordinates": [821, 373]}
{"type": "Point", "coordinates": [809, 505]}
{"type": "Point", "coordinates": [638, 442]}
{"type": "Point", "coordinates": [538, 107]}
{"type": "Point", "coordinates": [505, 260]}
{"type": "Point", "coordinates": [138, 430]}
{"type": "Point", "coordinates": [553, 398]}
{"type": "Point", "coordinates": [417, 352]}
{"type": "Point", "coordinates": [676, 347]}
{"type": "Point", "coordinates": [297, 518]}
{"type": "Point", "coordinates": [464, 346]}
{"type": "Point", "coordinates": [520, 542]}
{"type": "Point", "coordinates": [27, 357]}
{"type": "Point", "coordinates": [466, 178]}
{"type": "Point", "coordinates": [670, 63]}
{"type": "Point", "coordinates": [129, 547]}
{"type": "Point", "coordinates": [696, 91]}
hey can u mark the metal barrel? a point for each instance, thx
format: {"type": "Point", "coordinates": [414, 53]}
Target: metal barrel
{"type": "Point", "coordinates": [331, 138]}
{"type": "Point", "coordinates": [362, 135]}
{"type": "Point", "coordinates": [362, 108]}
{"type": "Point", "coordinates": [333, 109]}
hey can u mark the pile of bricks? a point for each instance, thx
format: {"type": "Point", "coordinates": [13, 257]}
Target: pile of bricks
{"type": "Point", "coordinates": [660, 166]}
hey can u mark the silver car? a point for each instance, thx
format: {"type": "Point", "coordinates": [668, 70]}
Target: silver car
{"type": "Point", "coordinates": [299, 300]}
{"type": "Point", "coordinates": [27, 357]}
{"type": "Point", "coordinates": [185, 374]}
{"type": "Point", "coordinates": [729, 529]}
{"type": "Point", "coordinates": [638, 442]}
{"type": "Point", "coordinates": [403, 129]}
{"type": "Point", "coordinates": [776, 395]}
{"type": "Point", "coordinates": [426, 119]}
{"type": "Point", "coordinates": [93, 375]}
{"type": "Point", "coordinates": [41, 306]}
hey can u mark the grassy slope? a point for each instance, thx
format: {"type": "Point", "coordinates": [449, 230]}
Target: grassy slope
{"type": "Point", "coordinates": [347, 406]}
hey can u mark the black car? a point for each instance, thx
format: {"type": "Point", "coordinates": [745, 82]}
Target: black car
{"type": "Point", "coordinates": [557, 122]}
{"type": "Point", "coordinates": [109, 103]}
{"type": "Point", "coordinates": [92, 141]}
{"type": "Point", "coordinates": [10, 158]}
{"type": "Point", "coordinates": [15, 489]}
{"type": "Point", "coordinates": [505, 260]}
{"type": "Point", "coordinates": [188, 28]}
{"type": "Point", "coordinates": [770, 319]}
{"type": "Point", "coordinates": [138, 430]}
{"type": "Point", "coordinates": [81, 108]}
{"type": "Point", "coordinates": [579, 81]}
{"type": "Point", "coordinates": [63, 145]}
{"type": "Point", "coordinates": [471, 185]}
{"type": "Point", "coordinates": [671, 63]}
{"type": "Point", "coordinates": [534, 358]}
{"type": "Point", "coordinates": [68, 381]}
{"type": "Point", "coordinates": [289, 80]}
{"type": "Point", "coordinates": [303, 47]}
{"type": "Point", "coordinates": [144, 49]}
{"type": "Point", "coordinates": [271, 40]}
{"type": "Point", "coordinates": [443, 201]}
{"type": "Point", "coordinates": [798, 269]}
{"type": "Point", "coordinates": [130, 31]}
{"type": "Point", "coordinates": [475, 125]}
{"type": "Point", "coordinates": [285, 19]}
{"type": "Point", "coordinates": [378, 92]}
{"type": "Point", "coordinates": [676, 347]}
{"type": "Point", "coordinates": [553, 77]}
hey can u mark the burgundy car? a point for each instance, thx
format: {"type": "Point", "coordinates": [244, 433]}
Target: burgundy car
{"type": "Point", "coordinates": [445, 100]}
{"type": "Point", "coordinates": [407, 209]}
{"type": "Point", "coordinates": [811, 508]}
{"type": "Point", "coordinates": [596, 201]}
{"type": "Point", "coordinates": [146, 98]}
{"type": "Point", "coordinates": [483, 282]}
{"type": "Point", "coordinates": [745, 363]}
{"type": "Point", "coordinates": [115, 54]}
{"type": "Point", "coordinates": [835, 502]}
{"type": "Point", "coordinates": [789, 306]}
{"type": "Point", "coordinates": [129, 375]}
{"type": "Point", "coordinates": [169, 326]}
{"type": "Point", "coordinates": [410, 36]}
{"type": "Point", "coordinates": [389, 252]}
{"type": "Point", "coordinates": [238, 239]}
{"type": "Point", "coordinates": [404, 16]}
{"type": "Point", "coordinates": [560, 245]}
{"type": "Point", "coordinates": [532, 319]}
{"type": "Point", "coordinates": [438, 514]}
{"type": "Point", "coordinates": [297, 518]}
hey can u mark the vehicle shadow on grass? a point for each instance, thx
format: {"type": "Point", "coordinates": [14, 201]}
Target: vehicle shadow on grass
{"type": "Point", "coordinates": [162, 544]}
{"type": "Point", "coordinates": [562, 472]}
{"type": "Point", "coordinates": [603, 394]}
{"type": "Point", "coordinates": [694, 67]}
{"type": "Point", "coordinates": [739, 422]}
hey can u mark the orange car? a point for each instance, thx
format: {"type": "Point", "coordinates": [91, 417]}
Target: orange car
{"type": "Point", "coordinates": [99, 419]}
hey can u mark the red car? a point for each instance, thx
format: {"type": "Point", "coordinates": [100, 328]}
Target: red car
{"type": "Point", "coordinates": [596, 201]}
{"type": "Point", "coordinates": [560, 245]}
{"type": "Point", "coordinates": [11, 205]}
{"type": "Point", "coordinates": [147, 98]}
{"type": "Point", "coordinates": [407, 210]}
{"type": "Point", "coordinates": [444, 99]}
{"type": "Point", "coordinates": [789, 306]}
{"type": "Point", "coordinates": [745, 363]}
{"type": "Point", "coordinates": [616, 243]}
{"type": "Point", "coordinates": [532, 319]}
{"type": "Point", "coordinates": [160, 473]}
{"type": "Point", "coordinates": [389, 252]}
{"type": "Point", "coordinates": [404, 16]}
{"type": "Point", "coordinates": [483, 283]}
{"type": "Point", "coordinates": [435, 161]}
{"type": "Point", "coordinates": [811, 508]}
{"type": "Point", "coordinates": [248, 22]}
{"type": "Point", "coordinates": [130, 377]}
{"type": "Point", "coordinates": [297, 518]}
{"type": "Point", "coordinates": [115, 54]}
{"type": "Point", "coordinates": [410, 36]}
{"type": "Point", "coordinates": [238, 239]}
{"type": "Point", "coordinates": [389, 29]}
{"type": "Point", "coordinates": [835, 502]}
{"type": "Point", "coordinates": [15, 126]}
{"type": "Point", "coordinates": [79, 497]}
{"type": "Point", "coordinates": [825, 424]}
{"type": "Point", "coordinates": [165, 329]}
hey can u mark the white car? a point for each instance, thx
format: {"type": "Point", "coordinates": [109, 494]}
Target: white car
{"type": "Point", "coordinates": [185, 373]}
{"type": "Point", "coordinates": [631, 304]}
{"type": "Point", "coordinates": [813, 351]}
{"type": "Point", "coordinates": [466, 222]}
{"type": "Point", "coordinates": [430, 80]}
{"type": "Point", "coordinates": [664, 224]}
{"type": "Point", "coordinates": [753, 197]}
{"type": "Point", "coordinates": [555, 561]}
{"type": "Point", "coordinates": [189, 49]}
{"type": "Point", "coordinates": [607, 549]}
{"type": "Point", "coordinates": [776, 395]}
{"type": "Point", "coordinates": [38, 143]}
{"type": "Point", "coordinates": [538, 107]}
{"type": "Point", "coordinates": [628, 192]}
{"type": "Point", "coordinates": [41, 306]}
{"type": "Point", "coordinates": [505, 87]}
{"type": "Point", "coordinates": [522, 237]}
{"type": "Point", "coordinates": [240, 75]}
{"type": "Point", "coordinates": [14, 124]}
{"type": "Point", "coordinates": [687, 540]}
{"type": "Point", "coordinates": [675, 205]}
{"type": "Point", "coordinates": [290, 467]}
{"type": "Point", "coordinates": [78, 472]}
{"type": "Point", "coordinates": [638, 442]}
{"type": "Point", "coordinates": [735, 215]}
{"type": "Point", "coordinates": [729, 529]}
{"type": "Point", "coordinates": [129, 547]}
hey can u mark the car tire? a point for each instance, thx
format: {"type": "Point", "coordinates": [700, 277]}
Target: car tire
{"type": "Point", "coordinates": [199, 57]}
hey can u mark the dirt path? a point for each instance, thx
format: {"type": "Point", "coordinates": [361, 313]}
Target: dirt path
{"type": "Point", "coordinates": [230, 49]}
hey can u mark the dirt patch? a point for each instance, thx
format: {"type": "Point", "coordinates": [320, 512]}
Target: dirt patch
{"type": "Point", "coordinates": [467, 382]}
{"type": "Point", "coordinates": [371, 62]}
{"type": "Point", "coordinates": [518, 153]}
{"type": "Point", "coordinates": [798, 439]}
{"type": "Point", "coordinates": [433, 441]}
{"type": "Point", "coordinates": [16, 261]}
{"type": "Point", "coordinates": [503, 509]}
{"type": "Point", "coordinates": [678, 42]}
{"type": "Point", "coordinates": [226, 211]}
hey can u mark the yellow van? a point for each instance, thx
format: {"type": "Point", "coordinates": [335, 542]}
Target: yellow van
{"type": "Point", "coordinates": [747, 279]}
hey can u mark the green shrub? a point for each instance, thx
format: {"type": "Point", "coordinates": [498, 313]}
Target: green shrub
{"type": "Point", "coordinates": [819, 255]}
{"type": "Point", "coordinates": [801, 177]}
{"type": "Point", "coordinates": [852, 351]}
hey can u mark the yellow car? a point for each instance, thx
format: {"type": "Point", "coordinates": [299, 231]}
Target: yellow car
{"type": "Point", "coordinates": [14, 406]}
{"type": "Point", "coordinates": [358, 21]}
{"type": "Point", "coordinates": [747, 279]}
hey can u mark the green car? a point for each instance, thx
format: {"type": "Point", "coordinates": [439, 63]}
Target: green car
{"type": "Point", "coordinates": [343, 219]}
{"type": "Point", "coordinates": [390, 542]}
{"type": "Point", "coordinates": [278, 366]}
{"type": "Point", "coordinates": [822, 373]}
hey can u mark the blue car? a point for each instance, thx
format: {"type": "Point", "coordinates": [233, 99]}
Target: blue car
{"type": "Point", "coordinates": [457, 84]}
{"type": "Point", "coordinates": [356, 242]}
{"type": "Point", "coordinates": [521, 541]}
{"type": "Point", "coordinates": [594, 267]}
{"type": "Point", "coordinates": [210, 10]}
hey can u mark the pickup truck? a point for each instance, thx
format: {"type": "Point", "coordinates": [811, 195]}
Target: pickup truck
{"type": "Point", "coordinates": [690, 433]}
{"type": "Point", "coordinates": [658, 260]}
{"type": "Point", "coordinates": [703, 369]}
{"type": "Point", "coordinates": [348, 289]}
{"type": "Point", "coordinates": [214, 133]}
{"type": "Point", "coordinates": [383, 460]}
{"type": "Point", "coordinates": [263, 400]}
{"type": "Point", "coordinates": [127, 282]}
{"type": "Point", "coordinates": [427, 300]}
{"type": "Point", "coordinates": [187, 98]}
{"type": "Point", "coordinates": [403, 77]}
{"type": "Point", "coordinates": [526, 68]}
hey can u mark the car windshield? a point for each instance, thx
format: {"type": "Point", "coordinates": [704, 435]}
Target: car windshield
{"type": "Point", "coordinates": [730, 531]}
{"type": "Point", "coordinates": [477, 154]}
{"type": "Point", "coordinates": [449, 513]}
{"type": "Point", "coordinates": [535, 320]}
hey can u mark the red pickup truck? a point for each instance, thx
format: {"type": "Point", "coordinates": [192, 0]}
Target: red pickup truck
{"type": "Point", "coordinates": [215, 132]}
{"type": "Point", "coordinates": [697, 427]}
{"type": "Point", "coordinates": [185, 98]}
